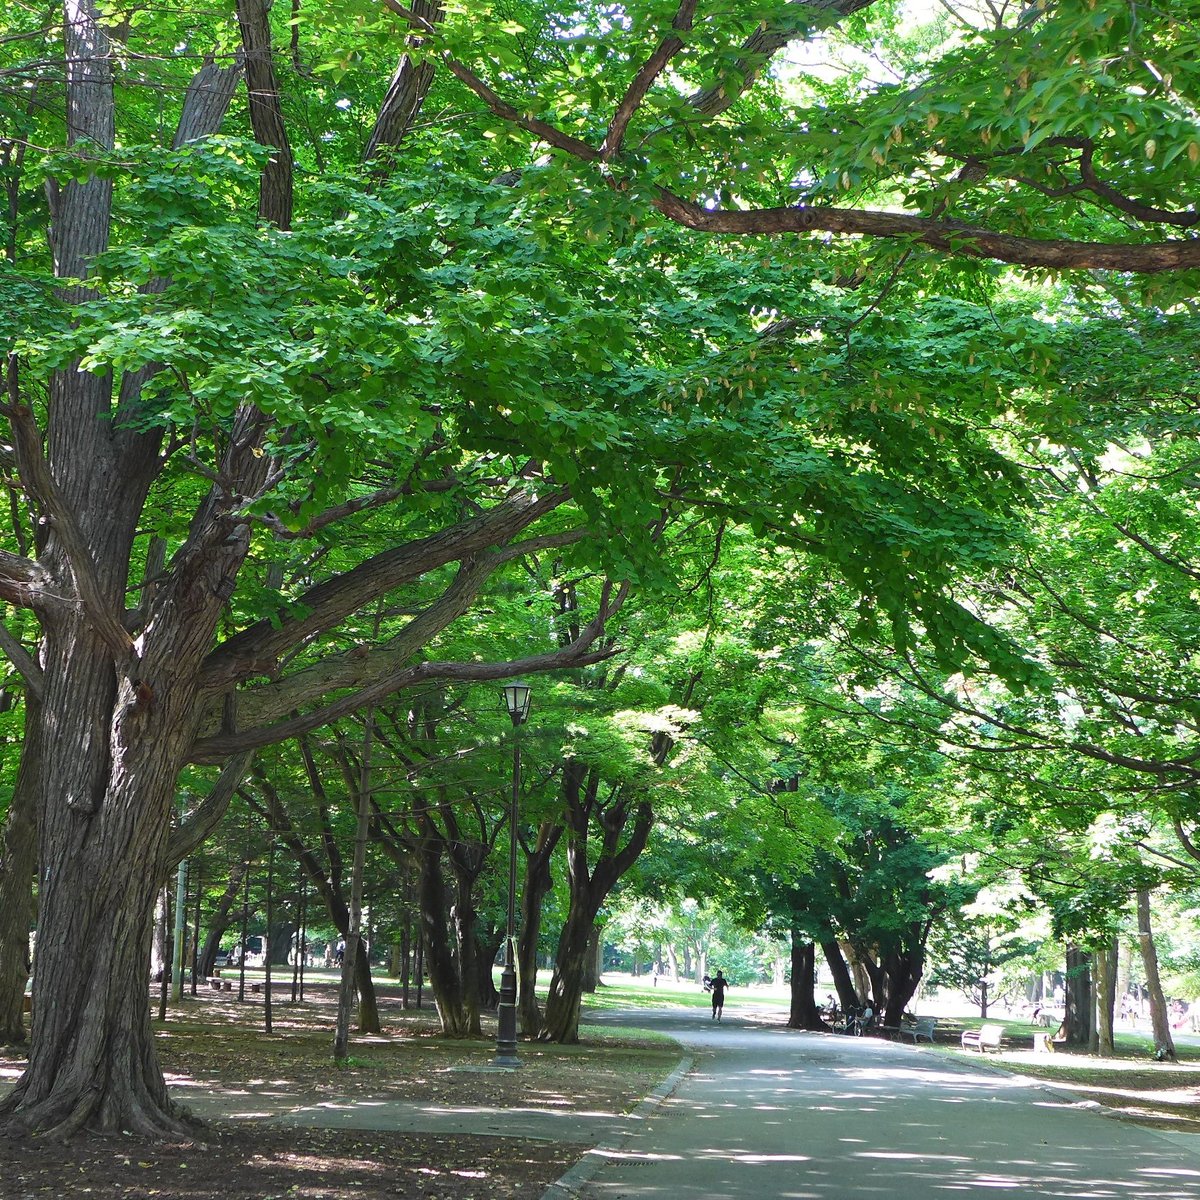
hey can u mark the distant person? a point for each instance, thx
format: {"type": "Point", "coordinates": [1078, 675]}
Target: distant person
{"type": "Point", "coordinates": [718, 984]}
{"type": "Point", "coordinates": [339, 955]}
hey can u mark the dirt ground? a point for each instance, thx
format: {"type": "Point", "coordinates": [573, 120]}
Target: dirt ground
{"type": "Point", "coordinates": [215, 1040]}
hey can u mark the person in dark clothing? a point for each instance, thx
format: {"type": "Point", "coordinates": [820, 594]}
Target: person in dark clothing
{"type": "Point", "coordinates": [718, 985]}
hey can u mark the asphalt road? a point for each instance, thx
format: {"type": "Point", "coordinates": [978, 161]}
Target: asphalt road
{"type": "Point", "coordinates": [770, 1113]}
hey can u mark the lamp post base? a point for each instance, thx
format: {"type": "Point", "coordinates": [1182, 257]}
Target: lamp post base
{"type": "Point", "coordinates": [506, 1036]}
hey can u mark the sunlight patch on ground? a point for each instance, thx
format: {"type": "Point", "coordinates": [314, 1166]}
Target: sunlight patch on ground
{"type": "Point", "coordinates": [308, 1162]}
{"type": "Point", "coordinates": [906, 1155]}
{"type": "Point", "coordinates": [623, 1156]}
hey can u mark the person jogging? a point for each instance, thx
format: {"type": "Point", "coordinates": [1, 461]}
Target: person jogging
{"type": "Point", "coordinates": [718, 985]}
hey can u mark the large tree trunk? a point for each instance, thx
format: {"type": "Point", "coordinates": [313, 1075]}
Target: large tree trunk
{"type": "Point", "coordinates": [592, 964]}
{"type": "Point", "coordinates": [464, 918]}
{"type": "Point", "coordinates": [804, 1013]}
{"type": "Point", "coordinates": [903, 969]}
{"type": "Point", "coordinates": [122, 711]}
{"type": "Point", "coordinates": [444, 978]}
{"type": "Point", "coordinates": [92, 1061]}
{"type": "Point", "coordinates": [487, 950]}
{"type": "Point", "coordinates": [538, 882]}
{"type": "Point", "coordinates": [561, 1023]}
{"type": "Point", "coordinates": [1080, 1005]}
{"type": "Point", "coordinates": [672, 962]}
{"type": "Point", "coordinates": [842, 979]}
{"type": "Point", "coordinates": [858, 971]}
{"type": "Point", "coordinates": [221, 920]}
{"type": "Point", "coordinates": [1106, 978]}
{"type": "Point", "coordinates": [18, 860]}
{"type": "Point", "coordinates": [159, 941]}
{"type": "Point", "coordinates": [1164, 1043]}
{"type": "Point", "coordinates": [588, 888]}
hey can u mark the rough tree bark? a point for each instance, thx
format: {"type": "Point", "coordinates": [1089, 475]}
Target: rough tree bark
{"type": "Point", "coordinates": [1164, 1043]}
{"type": "Point", "coordinates": [454, 955]}
{"type": "Point", "coordinates": [18, 860]}
{"type": "Point", "coordinates": [328, 879]}
{"type": "Point", "coordinates": [538, 882]}
{"type": "Point", "coordinates": [588, 888]}
{"type": "Point", "coordinates": [220, 920]}
{"type": "Point", "coordinates": [1080, 1005]}
{"type": "Point", "coordinates": [593, 962]}
{"type": "Point", "coordinates": [357, 963]}
{"type": "Point", "coordinates": [1105, 958]}
{"type": "Point", "coordinates": [843, 981]}
{"type": "Point", "coordinates": [445, 980]}
{"type": "Point", "coordinates": [488, 943]}
{"type": "Point", "coordinates": [121, 707]}
{"type": "Point", "coordinates": [903, 968]}
{"type": "Point", "coordinates": [803, 1013]}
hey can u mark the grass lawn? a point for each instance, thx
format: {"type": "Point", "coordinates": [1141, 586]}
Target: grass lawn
{"type": "Point", "coordinates": [624, 991]}
{"type": "Point", "coordinates": [1130, 1083]}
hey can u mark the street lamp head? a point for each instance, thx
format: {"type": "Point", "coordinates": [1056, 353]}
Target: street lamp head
{"type": "Point", "coordinates": [516, 699]}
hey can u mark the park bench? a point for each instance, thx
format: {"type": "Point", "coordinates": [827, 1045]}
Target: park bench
{"type": "Point", "coordinates": [220, 985]}
{"type": "Point", "coordinates": [988, 1037]}
{"type": "Point", "coordinates": [922, 1027]}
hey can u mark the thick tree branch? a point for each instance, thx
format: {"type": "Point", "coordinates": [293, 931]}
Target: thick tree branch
{"type": "Point", "coordinates": [577, 654]}
{"type": "Point", "coordinates": [42, 487]}
{"type": "Point", "coordinates": [1141, 212]}
{"type": "Point", "coordinates": [331, 516]}
{"type": "Point", "coordinates": [255, 650]}
{"type": "Point", "coordinates": [193, 832]}
{"type": "Point", "coordinates": [644, 80]}
{"type": "Point", "coordinates": [206, 101]}
{"type": "Point", "coordinates": [205, 105]}
{"type": "Point", "coordinates": [954, 237]}
{"type": "Point", "coordinates": [760, 47]}
{"type": "Point", "coordinates": [20, 658]}
{"type": "Point", "coordinates": [540, 129]}
{"type": "Point", "coordinates": [362, 665]}
{"type": "Point", "coordinates": [23, 582]}
{"type": "Point", "coordinates": [1185, 839]}
{"type": "Point", "coordinates": [410, 85]}
{"type": "Point", "coordinates": [266, 112]}
{"type": "Point", "coordinates": [214, 749]}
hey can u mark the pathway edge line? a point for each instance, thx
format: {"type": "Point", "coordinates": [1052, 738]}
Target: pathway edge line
{"type": "Point", "coordinates": [569, 1183]}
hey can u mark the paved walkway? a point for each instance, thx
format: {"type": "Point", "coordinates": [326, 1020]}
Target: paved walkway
{"type": "Point", "coordinates": [770, 1113]}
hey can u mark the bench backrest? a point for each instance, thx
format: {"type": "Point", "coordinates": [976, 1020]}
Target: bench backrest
{"type": "Point", "coordinates": [925, 1024]}
{"type": "Point", "coordinates": [990, 1035]}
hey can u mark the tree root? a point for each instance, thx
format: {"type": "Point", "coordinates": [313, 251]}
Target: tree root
{"type": "Point", "coordinates": [166, 1122]}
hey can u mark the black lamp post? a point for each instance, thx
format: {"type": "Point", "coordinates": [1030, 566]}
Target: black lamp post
{"type": "Point", "coordinates": [516, 700]}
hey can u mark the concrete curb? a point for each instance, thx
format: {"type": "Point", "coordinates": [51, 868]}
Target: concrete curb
{"type": "Point", "coordinates": [569, 1184]}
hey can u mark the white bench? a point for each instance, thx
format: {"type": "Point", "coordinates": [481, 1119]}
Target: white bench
{"type": "Point", "coordinates": [988, 1037]}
